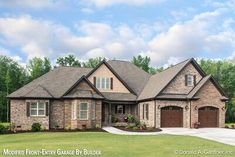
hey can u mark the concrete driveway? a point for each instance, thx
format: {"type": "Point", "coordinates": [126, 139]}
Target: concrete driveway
{"type": "Point", "coordinates": [222, 135]}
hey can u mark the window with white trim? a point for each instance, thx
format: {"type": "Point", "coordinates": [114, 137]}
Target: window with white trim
{"type": "Point", "coordinates": [190, 80]}
{"type": "Point", "coordinates": [103, 82]}
{"type": "Point", "coordinates": [37, 108]}
{"type": "Point", "coordinates": [93, 108]}
{"type": "Point", "coordinates": [83, 113]}
{"type": "Point", "coordinates": [146, 111]}
{"type": "Point", "coordinates": [74, 111]}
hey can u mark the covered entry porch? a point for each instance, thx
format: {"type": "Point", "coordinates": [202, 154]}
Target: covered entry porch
{"type": "Point", "coordinates": [114, 112]}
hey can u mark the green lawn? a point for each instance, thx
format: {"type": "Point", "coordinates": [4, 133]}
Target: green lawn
{"type": "Point", "coordinates": [111, 145]}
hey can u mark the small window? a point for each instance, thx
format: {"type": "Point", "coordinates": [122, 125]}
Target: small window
{"type": "Point", "coordinates": [84, 111]}
{"type": "Point", "coordinates": [189, 80]}
{"type": "Point", "coordinates": [120, 109]}
{"type": "Point", "coordinates": [93, 110]}
{"type": "Point", "coordinates": [146, 111]}
{"type": "Point", "coordinates": [37, 109]}
{"type": "Point", "coordinates": [103, 83]}
{"type": "Point", "coordinates": [74, 111]}
{"type": "Point", "coordinates": [98, 82]}
{"type": "Point", "coordinates": [107, 83]}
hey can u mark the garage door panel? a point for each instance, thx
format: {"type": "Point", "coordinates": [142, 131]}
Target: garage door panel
{"type": "Point", "coordinates": [171, 117]}
{"type": "Point", "coordinates": [208, 117]}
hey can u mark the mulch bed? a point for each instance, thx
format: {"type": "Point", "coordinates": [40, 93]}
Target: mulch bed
{"type": "Point", "coordinates": [53, 130]}
{"type": "Point", "coordinates": [133, 130]}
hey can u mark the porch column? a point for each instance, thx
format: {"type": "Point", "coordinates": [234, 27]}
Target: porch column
{"type": "Point", "coordinates": [110, 114]}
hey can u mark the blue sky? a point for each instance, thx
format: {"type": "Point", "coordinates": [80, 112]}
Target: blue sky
{"type": "Point", "coordinates": [167, 31]}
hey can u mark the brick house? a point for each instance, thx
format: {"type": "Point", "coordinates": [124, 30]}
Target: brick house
{"type": "Point", "coordinates": [83, 97]}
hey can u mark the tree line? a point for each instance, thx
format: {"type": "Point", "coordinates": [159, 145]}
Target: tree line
{"type": "Point", "coordinates": [13, 75]}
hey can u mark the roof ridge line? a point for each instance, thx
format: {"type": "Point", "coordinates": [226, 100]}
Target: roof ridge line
{"type": "Point", "coordinates": [206, 77]}
{"type": "Point", "coordinates": [44, 88]}
{"type": "Point", "coordinates": [188, 60]}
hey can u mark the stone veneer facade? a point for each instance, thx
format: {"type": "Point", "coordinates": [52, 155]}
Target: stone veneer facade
{"type": "Point", "coordinates": [155, 106]}
{"type": "Point", "coordinates": [59, 115]}
{"type": "Point", "coordinates": [60, 110]}
{"type": "Point", "coordinates": [208, 96]}
{"type": "Point", "coordinates": [21, 120]}
{"type": "Point", "coordinates": [77, 123]}
{"type": "Point", "coordinates": [177, 86]}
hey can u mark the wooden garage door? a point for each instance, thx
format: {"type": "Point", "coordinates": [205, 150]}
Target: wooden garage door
{"type": "Point", "coordinates": [171, 116]}
{"type": "Point", "coordinates": [208, 117]}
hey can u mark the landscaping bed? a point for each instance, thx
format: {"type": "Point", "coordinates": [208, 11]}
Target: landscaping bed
{"type": "Point", "coordinates": [132, 123]}
{"type": "Point", "coordinates": [138, 130]}
{"type": "Point", "coordinates": [8, 128]}
{"type": "Point", "coordinates": [230, 125]}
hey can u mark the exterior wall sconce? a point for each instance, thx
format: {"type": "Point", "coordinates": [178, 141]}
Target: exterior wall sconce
{"type": "Point", "coordinates": [223, 108]}
{"type": "Point", "coordinates": [186, 107]}
{"type": "Point", "coordinates": [158, 106]}
{"type": "Point", "coordinates": [195, 108]}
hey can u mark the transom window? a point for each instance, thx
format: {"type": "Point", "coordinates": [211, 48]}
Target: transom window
{"type": "Point", "coordinates": [83, 111]}
{"type": "Point", "coordinates": [37, 108]}
{"type": "Point", "coordinates": [189, 81]}
{"type": "Point", "coordinates": [103, 82]}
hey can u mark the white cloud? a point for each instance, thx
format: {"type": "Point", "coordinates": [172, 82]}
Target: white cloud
{"type": "Point", "coordinates": [107, 3]}
{"type": "Point", "coordinates": [87, 10]}
{"type": "Point", "coordinates": [193, 38]}
{"type": "Point", "coordinates": [34, 4]}
{"type": "Point", "coordinates": [4, 51]}
{"type": "Point", "coordinates": [206, 34]}
{"type": "Point", "coordinates": [41, 38]}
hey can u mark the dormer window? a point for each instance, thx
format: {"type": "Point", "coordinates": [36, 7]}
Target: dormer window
{"type": "Point", "coordinates": [189, 80]}
{"type": "Point", "coordinates": [103, 82]}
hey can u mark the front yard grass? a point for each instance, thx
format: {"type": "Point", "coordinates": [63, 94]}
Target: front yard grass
{"type": "Point", "coordinates": [111, 145]}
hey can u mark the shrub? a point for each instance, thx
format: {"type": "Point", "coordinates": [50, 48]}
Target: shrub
{"type": "Point", "coordinates": [2, 128]}
{"type": "Point", "coordinates": [97, 126]}
{"type": "Point", "coordinates": [131, 119]}
{"type": "Point", "coordinates": [135, 128]}
{"type": "Point", "coordinates": [13, 127]}
{"type": "Point", "coordinates": [226, 126]}
{"type": "Point", "coordinates": [128, 127]}
{"type": "Point", "coordinates": [143, 127]}
{"type": "Point", "coordinates": [68, 127]}
{"type": "Point", "coordinates": [114, 119]}
{"type": "Point", "coordinates": [36, 127]}
{"type": "Point", "coordinates": [137, 122]}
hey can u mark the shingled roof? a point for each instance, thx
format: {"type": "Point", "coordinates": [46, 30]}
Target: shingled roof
{"type": "Point", "coordinates": [51, 85]}
{"type": "Point", "coordinates": [158, 82]}
{"type": "Point", "coordinates": [133, 76]}
{"type": "Point", "coordinates": [57, 83]}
